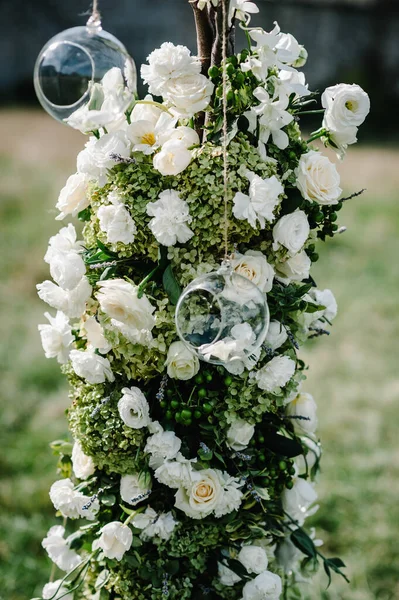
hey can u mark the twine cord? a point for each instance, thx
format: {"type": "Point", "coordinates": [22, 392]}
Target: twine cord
{"type": "Point", "coordinates": [95, 17]}
{"type": "Point", "coordinates": [225, 164]}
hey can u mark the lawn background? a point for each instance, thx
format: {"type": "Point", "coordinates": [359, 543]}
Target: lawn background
{"type": "Point", "coordinates": [354, 374]}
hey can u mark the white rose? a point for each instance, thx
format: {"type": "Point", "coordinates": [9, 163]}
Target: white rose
{"type": "Point", "coordinates": [275, 374]}
{"type": "Point", "coordinates": [133, 316]}
{"type": "Point", "coordinates": [181, 362]}
{"type": "Point", "coordinates": [162, 446]}
{"type": "Point", "coordinates": [83, 466]}
{"type": "Point", "coordinates": [298, 500]}
{"type": "Point", "coordinates": [91, 366]}
{"type": "Point", "coordinates": [55, 590]}
{"type": "Point", "coordinates": [116, 222]}
{"type": "Point", "coordinates": [116, 539]}
{"type": "Point", "coordinates": [227, 577]}
{"type": "Point", "coordinates": [133, 408]}
{"type": "Point", "coordinates": [56, 337]}
{"type": "Point", "coordinates": [276, 335]}
{"type": "Point", "coordinates": [73, 197]}
{"type": "Point", "coordinates": [295, 268]}
{"type": "Point", "coordinates": [239, 434]}
{"type": "Point", "coordinates": [58, 549]}
{"type": "Point", "coordinates": [254, 266]}
{"type": "Point", "coordinates": [133, 487]}
{"type": "Point", "coordinates": [168, 63]}
{"type": "Point", "coordinates": [155, 526]}
{"type": "Point", "coordinates": [260, 202]}
{"type": "Point", "coordinates": [345, 106]}
{"type": "Point", "coordinates": [203, 495]}
{"type": "Point", "coordinates": [189, 95]}
{"type": "Point", "coordinates": [266, 586]}
{"type": "Point", "coordinates": [96, 158]}
{"type": "Point", "coordinates": [318, 179]}
{"type": "Point", "coordinates": [170, 217]}
{"type": "Point", "coordinates": [94, 333]}
{"type": "Point", "coordinates": [70, 302]}
{"type": "Point", "coordinates": [173, 158]}
{"type": "Point", "coordinates": [303, 406]}
{"type": "Point", "coordinates": [70, 503]}
{"type": "Point", "coordinates": [307, 462]}
{"type": "Point", "coordinates": [291, 231]}
{"type": "Point", "coordinates": [254, 559]}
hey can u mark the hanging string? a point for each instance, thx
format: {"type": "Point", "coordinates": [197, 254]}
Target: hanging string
{"type": "Point", "coordinates": [95, 17]}
{"type": "Point", "coordinates": [225, 164]}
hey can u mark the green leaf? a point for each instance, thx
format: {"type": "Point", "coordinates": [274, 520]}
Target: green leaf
{"type": "Point", "coordinates": [172, 567]}
{"type": "Point", "coordinates": [61, 447]}
{"type": "Point", "coordinates": [303, 542]}
{"type": "Point", "coordinates": [131, 560]}
{"type": "Point", "coordinates": [106, 250]}
{"type": "Point", "coordinates": [205, 455]}
{"type": "Point", "coordinates": [170, 285]}
{"type": "Point", "coordinates": [283, 445]}
{"type": "Point", "coordinates": [107, 273]}
{"type": "Point", "coordinates": [85, 214]}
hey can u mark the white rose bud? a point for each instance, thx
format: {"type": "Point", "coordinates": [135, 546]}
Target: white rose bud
{"type": "Point", "coordinates": [239, 434]}
{"type": "Point", "coordinates": [266, 586]}
{"type": "Point", "coordinates": [318, 179]}
{"type": "Point", "coordinates": [133, 408]}
{"type": "Point", "coordinates": [83, 465]}
{"type": "Point", "coordinates": [116, 539]}
{"type": "Point", "coordinates": [254, 559]}
{"type": "Point", "coordinates": [73, 197]}
{"type": "Point", "coordinates": [181, 362]}
{"type": "Point", "coordinates": [303, 406]}
{"type": "Point", "coordinates": [291, 231]}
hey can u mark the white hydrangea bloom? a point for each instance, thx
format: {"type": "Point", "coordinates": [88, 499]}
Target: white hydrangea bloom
{"type": "Point", "coordinates": [260, 202]}
{"type": "Point", "coordinates": [91, 367]}
{"type": "Point", "coordinates": [170, 217]}
{"type": "Point", "coordinates": [56, 337]}
{"type": "Point", "coordinates": [58, 549]}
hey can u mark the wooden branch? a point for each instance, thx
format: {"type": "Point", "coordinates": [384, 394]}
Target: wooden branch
{"type": "Point", "coordinates": [205, 35]}
{"type": "Point", "coordinates": [219, 26]}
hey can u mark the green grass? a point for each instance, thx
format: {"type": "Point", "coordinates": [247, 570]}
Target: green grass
{"type": "Point", "coordinates": [354, 373]}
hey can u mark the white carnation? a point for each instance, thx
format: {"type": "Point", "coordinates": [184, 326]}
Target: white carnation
{"type": "Point", "coordinates": [73, 197]}
{"type": "Point", "coordinates": [91, 367]}
{"type": "Point", "coordinates": [133, 408]}
{"type": "Point", "coordinates": [239, 434]}
{"type": "Point", "coordinates": [83, 466]}
{"type": "Point", "coordinates": [275, 374]}
{"type": "Point", "coordinates": [58, 549]}
{"type": "Point", "coordinates": [70, 302]}
{"type": "Point", "coordinates": [181, 362]}
{"type": "Point", "coordinates": [254, 559]}
{"type": "Point", "coordinates": [170, 217]}
{"type": "Point", "coordinates": [291, 231]}
{"type": "Point", "coordinates": [254, 266]}
{"type": "Point", "coordinates": [259, 204]}
{"type": "Point", "coordinates": [116, 222]}
{"type": "Point", "coordinates": [167, 63]}
{"type": "Point", "coordinates": [164, 445]}
{"type": "Point", "coordinates": [115, 539]}
{"type": "Point", "coordinates": [318, 179]}
{"type": "Point", "coordinates": [56, 337]}
{"type": "Point", "coordinates": [70, 503]}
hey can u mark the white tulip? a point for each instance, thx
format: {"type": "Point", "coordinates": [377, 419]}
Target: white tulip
{"type": "Point", "coordinates": [55, 590]}
{"type": "Point", "coordinates": [295, 268]}
{"type": "Point", "coordinates": [266, 586]}
{"type": "Point", "coordinates": [227, 577]}
{"type": "Point", "coordinates": [303, 405]}
{"type": "Point", "coordinates": [298, 500]}
{"type": "Point", "coordinates": [134, 487]}
{"type": "Point", "coordinates": [276, 335]}
{"type": "Point", "coordinates": [173, 158]}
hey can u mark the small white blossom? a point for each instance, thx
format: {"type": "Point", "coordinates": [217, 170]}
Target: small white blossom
{"type": "Point", "coordinates": [56, 337]}
{"type": "Point", "coordinates": [261, 201]}
{"type": "Point", "coordinates": [303, 405]}
{"type": "Point", "coordinates": [242, 10]}
{"type": "Point", "coordinates": [273, 116]}
{"type": "Point", "coordinates": [133, 408]}
{"type": "Point", "coordinates": [291, 231]}
{"type": "Point", "coordinates": [91, 367]}
{"type": "Point", "coordinates": [94, 333]}
{"type": "Point", "coordinates": [83, 466]}
{"type": "Point", "coordinates": [116, 221]}
{"type": "Point", "coordinates": [70, 302]}
{"type": "Point", "coordinates": [298, 500]}
{"type": "Point", "coordinates": [170, 217]}
{"type": "Point", "coordinates": [58, 549]}
{"type": "Point", "coordinates": [115, 539]}
{"type": "Point", "coordinates": [275, 374]}
{"type": "Point", "coordinates": [71, 503]}
{"type": "Point", "coordinates": [147, 136]}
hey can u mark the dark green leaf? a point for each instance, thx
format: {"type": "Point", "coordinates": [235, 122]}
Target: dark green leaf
{"type": "Point", "coordinates": [303, 542]}
{"type": "Point", "coordinates": [84, 215]}
{"type": "Point", "coordinates": [172, 567]}
{"type": "Point", "coordinates": [170, 285]}
{"type": "Point", "coordinates": [283, 445]}
{"type": "Point", "coordinates": [106, 250]}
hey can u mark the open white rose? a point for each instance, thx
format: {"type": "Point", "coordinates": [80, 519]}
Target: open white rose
{"type": "Point", "coordinates": [58, 549]}
{"type": "Point", "coordinates": [318, 179]}
{"type": "Point", "coordinates": [260, 202]}
{"type": "Point", "coordinates": [71, 503]}
{"type": "Point", "coordinates": [295, 268]}
{"type": "Point", "coordinates": [55, 590]}
{"type": "Point", "coordinates": [133, 316]}
{"type": "Point", "coordinates": [56, 337]}
{"type": "Point", "coordinates": [181, 362]}
{"type": "Point", "coordinates": [275, 374]}
{"type": "Point", "coordinates": [133, 408]}
{"type": "Point", "coordinates": [345, 106]}
{"type": "Point", "coordinates": [239, 434]}
{"type": "Point", "coordinates": [83, 466]}
{"type": "Point", "coordinates": [254, 559]}
{"type": "Point", "coordinates": [95, 160]}
{"type": "Point", "coordinates": [133, 487]}
{"type": "Point", "coordinates": [164, 445]}
{"type": "Point", "coordinates": [254, 266]}
{"type": "Point", "coordinates": [203, 495]}
{"type": "Point", "coordinates": [170, 217]}
{"type": "Point", "coordinates": [94, 333]}
{"type": "Point", "coordinates": [291, 231]}
{"type": "Point", "coordinates": [189, 94]}
{"type": "Point", "coordinates": [155, 526]}
{"type": "Point", "coordinates": [116, 221]}
{"type": "Point", "coordinates": [73, 197]}
{"type": "Point", "coordinates": [276, 335]}
{"type": "Point", "coordinates": [227, 577]}
{"type": "Point", "coordinates": [167, 63]}
{"type": "Point", "coordinates": [91, 367]}
{"type": "Point", "coordinates": [173, 158]}
{"type": "Point", "coordinates": [266, 586]}
{"type": "Point", "coordinates": [303, 405]}
{"type": "Point", "coordinates": [115, 539]}
{"type": "Point", "coordinates": [70, 302]}
{"type": "Point", "coordinates": [298, 500]}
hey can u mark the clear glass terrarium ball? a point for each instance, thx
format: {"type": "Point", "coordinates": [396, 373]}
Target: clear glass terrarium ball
{"type": "Point", "coordinates": [223, 317]}
{"type": "Point", "coordinates": [71, 64]}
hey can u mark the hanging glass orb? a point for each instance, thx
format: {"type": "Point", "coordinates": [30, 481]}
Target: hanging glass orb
{"type": "Point", "coordinates": [223, 317]}
{"type": "Point", "coordinates": [85, 69]}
